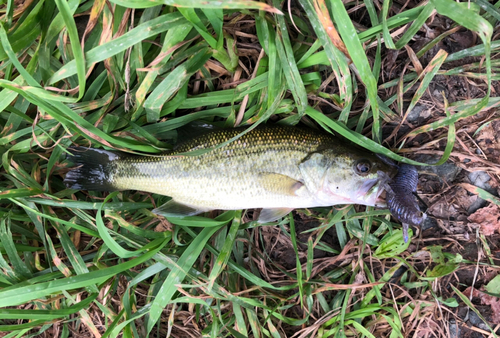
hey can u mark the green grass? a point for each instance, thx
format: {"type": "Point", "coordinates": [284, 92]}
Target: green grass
{"type": "Point", "coordinates": [105, 265]}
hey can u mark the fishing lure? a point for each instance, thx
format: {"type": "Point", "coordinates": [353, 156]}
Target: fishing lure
{"type": "Point", "coordinates": [401, 199]}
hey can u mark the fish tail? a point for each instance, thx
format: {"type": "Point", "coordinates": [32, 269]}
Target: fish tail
{"type": "Point", "coordinates": [94, 169]}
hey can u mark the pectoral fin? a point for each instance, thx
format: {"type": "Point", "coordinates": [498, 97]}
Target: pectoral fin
{"type": "Point", "coordinates": [280, 184]}
{"type": "Point", "coordinates": [269, 215]}
{"type": "Point", "coordinates": [175, 209]}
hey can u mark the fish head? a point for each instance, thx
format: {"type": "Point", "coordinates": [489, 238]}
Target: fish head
{"type": "Point", "coordinates": [355, 177]}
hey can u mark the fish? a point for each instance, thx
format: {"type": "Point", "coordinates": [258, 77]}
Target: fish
{"type": "Point", "coordinates": [276, 168]}
{"type": "Point", "coordinates": [401, 199]}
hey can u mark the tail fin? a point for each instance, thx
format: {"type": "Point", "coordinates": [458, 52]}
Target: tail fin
{"type": "Point", "coordinates": [94, 171]}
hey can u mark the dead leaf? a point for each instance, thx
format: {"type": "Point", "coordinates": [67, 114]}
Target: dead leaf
{"type": "Point", "coordinates": [493, 302]}
{"type": "Point", "coordinates": [487, 218]}
{"type": "Point", "coordinates": [489, 141]}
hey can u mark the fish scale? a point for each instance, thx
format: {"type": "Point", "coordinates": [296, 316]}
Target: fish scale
{"type": "Point", "coordinates": [238, 163]}
{"type": "Point", "coordinates": [269, 167]}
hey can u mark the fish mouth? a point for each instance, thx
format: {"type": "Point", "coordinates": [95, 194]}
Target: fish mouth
{"type": "Point", "coordinates": [371, 192]}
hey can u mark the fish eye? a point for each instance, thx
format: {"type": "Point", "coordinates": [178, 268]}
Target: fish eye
{"type": "Point", "coordinates": [362, 167]}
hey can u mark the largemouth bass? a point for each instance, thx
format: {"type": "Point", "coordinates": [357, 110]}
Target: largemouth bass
{"type": "Point", "coordinates": [275, 168]}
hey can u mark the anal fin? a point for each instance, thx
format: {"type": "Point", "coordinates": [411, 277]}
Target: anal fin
{"type": "Point", "coordinates": [269, 215]}
{"type": "Point", "coordinates": [176, 209]}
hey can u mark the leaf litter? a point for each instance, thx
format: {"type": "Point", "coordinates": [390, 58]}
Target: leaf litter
{"type": "Point", "coordinates": [485, 299]}
{"type": "Point", "coordinates": [487, 219]}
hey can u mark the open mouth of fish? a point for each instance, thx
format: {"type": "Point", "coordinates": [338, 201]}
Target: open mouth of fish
{"type": "Point", "coordinates": [372, 192]}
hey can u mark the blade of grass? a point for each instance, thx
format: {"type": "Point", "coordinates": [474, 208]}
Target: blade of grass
{"type": "Point", "coordinates": [18, 266]}
{"type": "Point", "coordinates": [481, 193]}
{"type": "Point", "coordinates": [79, 60]}
{"type": "Point", "coordinates": [489, 8]}
{"type": "Point", "coordinates": [177, 275]}
{"type": "Point", "coordinates": [122, 43]}
{"type": "Point", "coordinates": [23, 294]}
{"type": "Point", "coordinates": [116, 206]}
{"type": "Point", "coordinates": [289, 65]}
{"type": "Point", "coordinates": [225, 251]}
{"type": "Point", "coordinates": [333, 53]}
{"type": "Point", "coordinates": [471, 306]}
{"type": "Point", "coordinates": [111, 243]}
{"type": "Point", "coordinates": [385, 27]}
{"type": "Point", "coordinates": [358, 57]}
{"type": "Point", "coordinates": [214, 4]}
{"type": "Point", "coordinates": [173, 37]}
{"type": "Point", "coordinates": [46, 315]}
{"type": "Point", "coordinates": [267, 38]}
{"type": "Point", "coordinates": [396, 21]}
{"type": "Point", "coordinates": [415, 26]}
{"type": "Point", "coordinates": [24, 34]}
{"type": "Point", "coordinates": [173, 82]}
{"type": "Point", "coordinates": [473, 21]}
{"type": "Point", "coordinates": [357, 138]}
